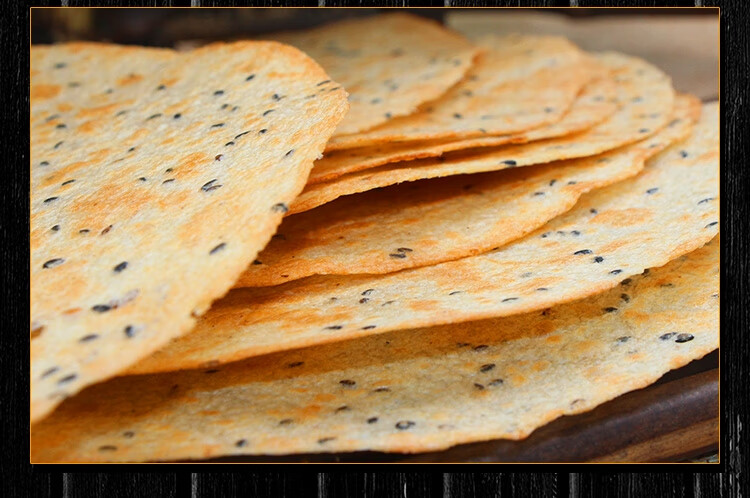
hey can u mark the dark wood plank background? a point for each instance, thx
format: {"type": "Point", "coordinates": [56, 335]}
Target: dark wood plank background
{"type": "Point", "coordinates": [22, 479]}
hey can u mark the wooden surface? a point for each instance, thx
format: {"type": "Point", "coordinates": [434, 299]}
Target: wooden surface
{"type": "Point", "coordinates": [22, 479]}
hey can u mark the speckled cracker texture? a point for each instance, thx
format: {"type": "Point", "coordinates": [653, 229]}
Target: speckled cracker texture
{"type": "Point", "coordinates": [644, 92]}
{"type": "Point", "coordinates": [517, 83]}
{"type": "Point", "coordinates": [667, 210]}
{"type": "Point", "coordinates": [432, 221]}
{"type": "Point", "coordinates": [409, 391]}
{"type": "Point", "coordinates": [594, 104]}
{"type": "Point", "coordinates": [156, 178]}
{"type": "Point", "coordinates": [389, 64]}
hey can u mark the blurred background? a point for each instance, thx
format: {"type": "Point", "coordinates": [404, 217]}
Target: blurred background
{"type": "Point", "coordinates": [684, 42]}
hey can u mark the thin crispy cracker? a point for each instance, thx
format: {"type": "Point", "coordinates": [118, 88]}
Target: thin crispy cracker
{"type": "Point", "coordinates": [668, 210]}
{"type": "Point", "coordinates": [156, 178]}
{"type": "Point", "coordinates": [408, 391]}
{"type": "Point", "coordinates": [438, 220]}
{"type": "Point", "coordinates": [646, 96]}
{"type": "Point", "coordinates": [594, 104]}
{"type": "Point", "coordinates": [389, 64]}
{"type": "Point", "coordinates": [517, 83]}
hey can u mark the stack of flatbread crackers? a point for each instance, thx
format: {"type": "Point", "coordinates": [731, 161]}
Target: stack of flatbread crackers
{"type": "Point", "coordinates": [371, 235]}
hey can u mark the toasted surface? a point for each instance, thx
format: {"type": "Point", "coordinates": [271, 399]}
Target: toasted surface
{"type": "Point", "coordinates": [448, 218]}
{"type": "Point", "coordinates": [156, 178]}
{"type": "Point", "coordinates": [517, 83]}
{"type": "Point", "coordinates": [389, 64]}
{"type": "Point", "coordinates": [408, 391]}
{"type": "Point", "coordinates": [668, 210]}
{"type": "Point", "coordinates": [594, 104]}
{"type": "Point", "coordinates": [644, 92]}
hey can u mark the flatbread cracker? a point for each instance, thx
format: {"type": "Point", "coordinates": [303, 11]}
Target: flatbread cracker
{"type": "Point", "coordinates": [389, 64]}
{"type": "Point", "coordinates": [594, 104]}
{"type": "Point", "coordinates": [409, 391]}
{"type": "Point", "coordinates": [518, 82]}
{"type": "Point", "coordinates": [155, 179]}
{"type": "Point", "coordinates": [647, 99]}
{"type": "Point", "coordinates": [448, 218]}
{"type": "Point", "coordinates": [668, 210]}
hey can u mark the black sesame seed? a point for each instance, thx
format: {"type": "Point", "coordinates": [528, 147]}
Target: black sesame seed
{"type": "Point", "coordinates": [572, 182]}
{"type": "Point", "coordinates": [120, 113]}
{"type": "Point", "coordinates": [266, 113]}
{"type": "Point", "coordinates": [399, 255]}
{"type": "Point", "coordinates": [652, 190]}
{"type": "Point", "coordinates": [454, 293]}
{"type": "Point", "coordinates": [404, 424]}
{"type": "Point", "coordinates": [333, 327]}
{"type": "Point", "coordinates": [101, 308]}
{"type": "Point", "coordinates": [168, 181]}
{"type": "Point", "coordinates": [88, 338]}
{"type": "Point", "coordinates": [280, 208]}
{"type": "Point", "coordinates": [541, 289]}
{"type": "Point", "coordinates": [128, 434]}
{"type": "Point", "coordinates": [130, 331]}
{"type": "Point", "coordinates": [219, 92]}
{"type": "Point", "coordinates": [684, 338]}
{"type": "Point", "coordinates": [593, 211]}
{"type": "Point", "coordinates": [708, 199]}
{"type": "Point", "coordinates": [55, 228]}
{"type": "Point", "coordinates": [712, 224]}
{"type": "Point", "coordinates": [372, 420]}
{"type": "Point", "coordinates": [121, 266]}
{"type": "Point", "coordinates": [610, 309]}
{"type": "Point", "coordinates": [169, 170]}
{"type": "Point", "coordinates": [286, 421]}
{"type": "Point", "coordinates": [481, 347]}
{"type": "Point", "coordinates": [347, 382]}
{"type": "Point", "coordinates": [44, 163]}
{"type": "Point", "coordinates": [241, 443]}
{"type": "Point", "coordinates": [626, 281]}
{"type": "Point", "coordinates": [496, 382]}
{"type": "Point", "coordinates": [509, 299]}
{"type": "Point", "coordinates": [487, 367]}
{"type": "Point", "coordinates": [261, 132]}
{"type": "Point", "coordinates": [217, 248]}
{"type": "Point", "coordinates": [84, 230]}
{"type": "Point", "coordinates": [509, 162]}
{"type": "Point", "coordinates": [457, 116]}
{"type": "Point", "coordinates": [624, 338]}
{"type": "Point", "coordinates": [643, 130]}
{"type": "Point", "coordinates": [598, 259]}
{"type": "Point", "coordinates": [217, 125]}
{"type": "Point", "coordinates": [257, 262]}
{"type": "Point", "coordinates": [143, 178]}
{"type": "Point", "coordinates": [61, 126]}
{"type": "Point", "coordinates": [667, 336]}
{"type": "Point", "coordinates": [615, 272]}
{"type": "Point", "coordinates": [60, 65]}
{"type": "Point", "coordinates": [153, 116]}
{"type": "Point", "coordinates": [250, 77]}
{"type": "Point", "coordinates": [289, 153]}
{"type": "Point", "coordinates": [106, 230]}
{"type": "Point", "coordinates": [49, 372]}
{"type": "Point", "coordinates": [228, 144]}
{"type": "Point", "coordinates": [212, 371]}
{"type": "Point", "coordinates": [108, 447]}
{"type": "Point", "coordinates": [67, 378]}
{"type": "Point", "coordinates": [388, 115]}
{"type": "Point", "coordinates": [537, 194]}
{"type": "Point", "coordinates": [479, 386]}
{"type": "Point", "coordinates": [323, 82]}
{"type": "Point", "coordinates": [177, 116]}
{"type": "Point", "coordinates": [241, 134]}
{"type": "Point", "coordinates": [368, 327]}
{"type": "Point", "coordinates": [50, 199]}
{"type": "Point", "coordinates": [683, 154]}
{"type": "Point", "coordinates": [209, 186]}
{"type": "Point", "coordinates": [53, 262]}
{"type": "Point", "coordinates": [582, 251]}
{"type": "Point", "coordinates": [325, 440]}
{"type": "Point", "coordinates": [364, 300]}
{"type": "Point", "coordinates": [342, 409]}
